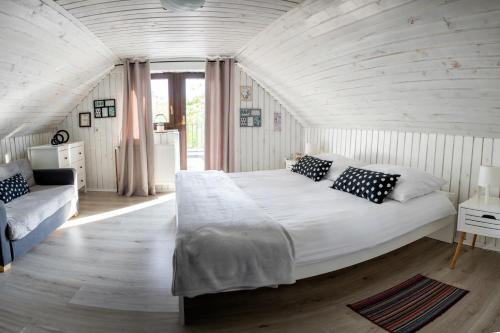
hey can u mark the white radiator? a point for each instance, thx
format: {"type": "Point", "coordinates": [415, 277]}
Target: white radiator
{"type": "Point", "coordinates": [167, 160]}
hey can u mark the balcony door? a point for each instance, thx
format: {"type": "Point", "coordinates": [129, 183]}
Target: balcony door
{"type": "Point", "coordinates": [179, 103]}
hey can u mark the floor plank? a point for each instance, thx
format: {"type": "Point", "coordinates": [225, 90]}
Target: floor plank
{"type": "Point", "coordinates": [109, 270]}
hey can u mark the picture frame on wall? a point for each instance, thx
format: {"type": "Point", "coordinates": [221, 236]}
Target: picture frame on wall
{"type": "Point", "coordinates": [246, 93]}
{"type": "Point", "coordinates": [85, 119]}
{"type": "Point", "coordinates": [105, 108]}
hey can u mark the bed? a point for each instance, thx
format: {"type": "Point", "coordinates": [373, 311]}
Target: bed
{"type": "Point", "coordinates": [328, 229]}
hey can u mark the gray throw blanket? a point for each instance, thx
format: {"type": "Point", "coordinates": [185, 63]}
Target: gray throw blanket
{"type": "Point", "coordinates": [224, 240]}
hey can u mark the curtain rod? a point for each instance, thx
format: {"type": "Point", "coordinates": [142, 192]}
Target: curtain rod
{"type": "Point", "coordinates": [176, 61]}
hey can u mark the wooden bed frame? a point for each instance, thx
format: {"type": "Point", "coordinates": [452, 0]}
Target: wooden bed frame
{"type": "Point", "coordinates": [443, 229]}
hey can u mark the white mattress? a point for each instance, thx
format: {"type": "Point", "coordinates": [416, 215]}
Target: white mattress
{"type": "Point", "coordinates": [325, 223]}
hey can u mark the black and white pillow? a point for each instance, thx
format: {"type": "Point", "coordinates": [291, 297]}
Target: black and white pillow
{"type": "Point", "coordinates": [367, 184]}
{"type": "Point", "coordinates": [312, 167]}
{"type": "Point", "coordinates": [13, 187]}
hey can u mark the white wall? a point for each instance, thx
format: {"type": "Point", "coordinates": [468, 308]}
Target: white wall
{"type": "Point", "coordinates": [455, 158]}
{"type": "Point", "coordinates": [262, 148]}
{"type": "Point", "coordinates": [102, 138]}
{"type": "Point", "coordinates": [16, 148]}
{"type": "Point", "coordinates": [421, 65]}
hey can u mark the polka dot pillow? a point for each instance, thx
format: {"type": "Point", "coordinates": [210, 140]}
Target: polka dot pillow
{"type": "Point", "coordinates": [312, 167]}
{"type": "Point", "coordinates": [367, 184]}
{"type": "Point", "coordinates": [13, 187]}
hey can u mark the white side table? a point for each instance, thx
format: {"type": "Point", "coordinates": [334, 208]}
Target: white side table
{"type": "Point", "coordinates": [289, 164]}
{"type": "Point", "coordinates": [477, 216]}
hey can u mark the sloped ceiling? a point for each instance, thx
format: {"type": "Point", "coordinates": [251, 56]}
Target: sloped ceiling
{"type": "Point", "coordinates": [401, 64]}
{"type": "Point", "coordinates": [48, 62]}
{"type": "Point", "coordinates": [142, 28]}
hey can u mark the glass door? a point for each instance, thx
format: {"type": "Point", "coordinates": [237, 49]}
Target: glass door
{"type": "Point", "coordinates": [179, 103]}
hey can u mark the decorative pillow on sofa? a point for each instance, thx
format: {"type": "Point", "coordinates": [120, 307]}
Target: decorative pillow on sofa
{"type": "Point", "coordinates": [312, 167]}
{"type": "Point", "coordinates": [367, 184]}
{"type": "Point", "coordinates": [13, 187]}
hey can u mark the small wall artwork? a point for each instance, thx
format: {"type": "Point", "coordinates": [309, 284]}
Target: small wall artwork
{"type": "Point", "coordinates": [85, 119]}
{"type": "Point", "coordinates": [277, 121]}
{"type": "Point", "coordinates": [250, 117]}
{"type": "Point", "coordinates": [104, 108]}
{"type": "Point", "coordinates": [246, 93]}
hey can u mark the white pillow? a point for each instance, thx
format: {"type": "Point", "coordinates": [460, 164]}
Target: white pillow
{"type": "Point", "coordinates": [339, 165]}
{"type": "Point", "coordinates": [412, 183]}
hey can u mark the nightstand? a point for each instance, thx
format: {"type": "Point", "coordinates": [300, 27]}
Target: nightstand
{"type": "Point", "coordinates": [289, 164]}
{"type": "Point", "coordinates": [477, 216]}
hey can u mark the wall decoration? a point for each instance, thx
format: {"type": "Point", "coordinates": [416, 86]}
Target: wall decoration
{"type": "Point", "coordinates": [104, 108]}
{"type": "Point", "coordinates": [84, 119]}
{"type": "Point", "coordinates": [60, 137]}
{"type": "Point", "coordinates": [277, 121]}
{"type": "Point", "coordinates": [246, 93]}
{"type": "Point", "coordinates": [250, 117]}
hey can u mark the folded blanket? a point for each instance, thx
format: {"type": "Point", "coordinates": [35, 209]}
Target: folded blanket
{"type": "Point", "coordinates": [224, 240]}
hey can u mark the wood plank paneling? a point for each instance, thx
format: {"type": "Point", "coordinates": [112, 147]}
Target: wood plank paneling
{"type": "Point", "coordinates": [16, 148]}
{"type": "Point", "coordinates": [263, 148]}
{"type": "Point", "coordinates": [103, 137]}
{"type": "Point", "coordinates": [454, 158]}
{"type": "Point", "coordinates": [416, 66]}
{"type": "Point", "coordinates": [48, 63]}
{"type": "Point", "coordinates": [137, 28]}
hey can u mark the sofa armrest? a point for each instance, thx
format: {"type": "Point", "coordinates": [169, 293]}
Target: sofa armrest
{"type": "Point", "coordinates": [55, 176]}
{"type": "Point", "coordinates": [5, 254]}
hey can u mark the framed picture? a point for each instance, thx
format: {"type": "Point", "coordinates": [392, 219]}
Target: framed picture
{"type": "Point", "coordinates": [109, 102]}
{"type": "Point", "coordinates": [85, 119]}
{"type": "Point", "coordinates": [250, 117]}
{"type": "Point", "coordinates": [98, 103]}
{"type": "Point", "coordinates": [104, 108]}
{"type": "Point", "coordinates": [246, 93]}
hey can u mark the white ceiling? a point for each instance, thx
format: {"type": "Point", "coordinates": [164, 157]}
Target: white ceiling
{"type": "Point", "coordinates": [399, 64]}
{"type": "Point", "coordinates": [48, 62]}
{"type": "Point", "coordinates": [137, 28]}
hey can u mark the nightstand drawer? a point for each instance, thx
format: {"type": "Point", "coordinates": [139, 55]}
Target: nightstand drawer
{"type": "Point", "coordinates": [484, 222]}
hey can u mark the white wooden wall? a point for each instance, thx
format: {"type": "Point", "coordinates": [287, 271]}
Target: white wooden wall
{"type": "Point", "coordinates": [16, 148]}
{"type": "Point", "coordinates": [262, 148]}
{"type": "Point", "coordinates": [48, 63]}
{"type": "Point", "coordinates": [454, 158]}
{"type": "Point", "coordinates": [102, 138]}
{"type": "Point", "coordinates": [423, 65]}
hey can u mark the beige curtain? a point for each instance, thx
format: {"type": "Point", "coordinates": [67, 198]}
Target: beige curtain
{"type": "Point", "coordinates": [136, 153]}
{"type": "Point", "coordinates": [219, 115]}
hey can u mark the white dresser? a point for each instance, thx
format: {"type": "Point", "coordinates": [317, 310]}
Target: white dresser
{"type": "Point", "coordinates": [68, 155]}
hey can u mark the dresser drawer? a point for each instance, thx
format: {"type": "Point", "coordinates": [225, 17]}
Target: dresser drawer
{"type": "Point", "coordinates": [76, 154]}
{"type": "Point", "coordinates": [81, 177]}
{"type": "Point", "coordinates": [63, 158]}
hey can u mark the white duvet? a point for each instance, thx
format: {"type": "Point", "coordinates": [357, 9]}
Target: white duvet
{"type": "Point", "coordinates": [324, 223]}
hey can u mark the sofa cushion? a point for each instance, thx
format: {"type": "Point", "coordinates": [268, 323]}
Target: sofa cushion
{"type": "Point", "coordinates": [26, 213]}
{"type": "Point", "coordinates": [26, 170]}
{"type": "Point", "coordinates": [13, 187]}
{"type": "Point", "coordinates": [20, 166]}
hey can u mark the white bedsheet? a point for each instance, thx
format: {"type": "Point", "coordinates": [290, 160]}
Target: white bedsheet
{"type": "Point", "coordinates": [325, 223]}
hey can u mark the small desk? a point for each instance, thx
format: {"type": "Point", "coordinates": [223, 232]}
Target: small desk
{"type": "Point", "coordinates": [477, 216]}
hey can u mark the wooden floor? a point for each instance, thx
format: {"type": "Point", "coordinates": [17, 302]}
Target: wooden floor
{"type": "Point", "coordinates": [106, 272]}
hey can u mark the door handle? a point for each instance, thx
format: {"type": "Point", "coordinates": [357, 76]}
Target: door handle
{"type": "Point", "coordinates": [183, 122]}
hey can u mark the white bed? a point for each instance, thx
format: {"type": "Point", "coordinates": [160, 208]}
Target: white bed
{"type": "Point", "coordinates": [332, 229]}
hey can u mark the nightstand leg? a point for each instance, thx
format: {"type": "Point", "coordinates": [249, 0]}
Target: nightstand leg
{"type": "Point", "coordinates": [457, 251]}
{"type": "Point", "coordinates": [474, 241]}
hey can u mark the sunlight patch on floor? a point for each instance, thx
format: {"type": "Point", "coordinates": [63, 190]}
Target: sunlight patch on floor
{"type": "Point", "coordinates": [77, 221]}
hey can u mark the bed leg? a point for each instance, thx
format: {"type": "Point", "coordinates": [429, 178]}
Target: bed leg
{"type": "Point", "coordinates": [182, 313]}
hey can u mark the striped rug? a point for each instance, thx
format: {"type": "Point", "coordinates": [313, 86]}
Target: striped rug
{"type": "Point", "coordinates": [410, 305]}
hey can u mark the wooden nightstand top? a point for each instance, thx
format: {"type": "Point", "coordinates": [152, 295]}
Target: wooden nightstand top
{"type": "Point", "coordinates": [491, 205]}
